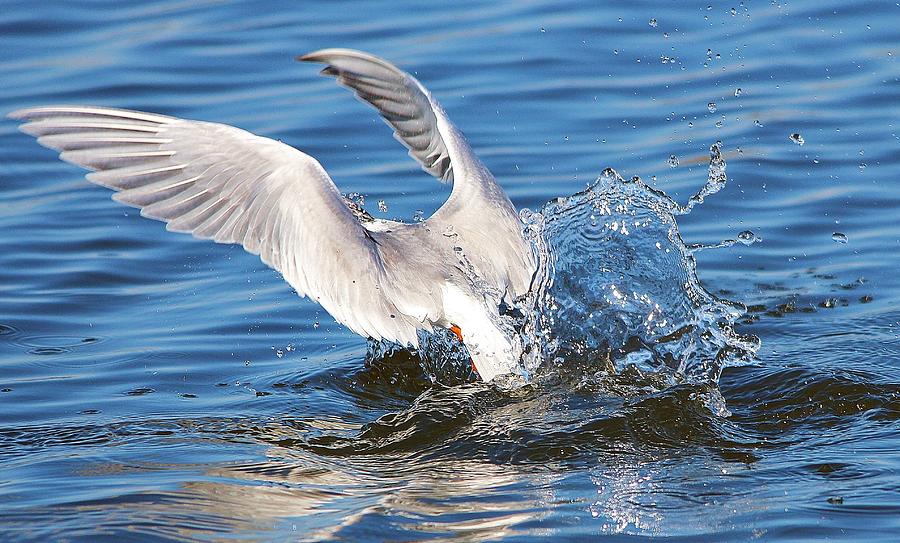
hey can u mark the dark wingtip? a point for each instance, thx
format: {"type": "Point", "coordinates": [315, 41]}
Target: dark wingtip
{"type": "Point", "coordinates": [314, 56]}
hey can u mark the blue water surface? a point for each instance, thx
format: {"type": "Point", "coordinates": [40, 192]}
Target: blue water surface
{"type": "Point", "coordinates": [154, 387]}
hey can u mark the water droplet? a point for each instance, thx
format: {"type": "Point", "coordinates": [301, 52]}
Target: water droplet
{"type": "Point", "coordinates": [279, 353]}
{"type": "Point", "coordinates": [712, 107]}
{"type": "Point", "coordinates": [738, 91]}
{"type": "Point", "coordinates": [719, 124]}
{"type": "Point", "coordinates": [418, 216]}
{"type": "Point", "coordinates": [357, 198]}
{"type": "Point", "coordinates": [839, 237]}
{"type": "Point", "coordinates": [863, 166]}
{"type": "Point", "coordinates": [316, 324]}
{"type": "Point", "coordinates": [653, 23]}
{"type": "Point", "coordinates": [757, 123]}
{"type": "Point", "coordinates": [673, 161]}
{"type": "Point", "coordinates": [382, 206]}
{"type": "Point", "coordinates": [733, 12]}
{"type": "Point", "coordinates": [797, 138]}
{"type": "Point", "coordinates": [543, 30]}
{"type": "Point", "coordinates": [747, 237]}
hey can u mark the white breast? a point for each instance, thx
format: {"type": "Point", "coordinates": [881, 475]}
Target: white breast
{"type": "Point", "coordinates": [492, 351]}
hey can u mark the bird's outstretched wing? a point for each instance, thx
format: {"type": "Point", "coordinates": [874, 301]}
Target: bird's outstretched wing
{"type": "Point", "coordinates": [417, 118]}
{"type": "Point", "coordinates": [223, 183]}
{"type": "Point", "coordinates": [477, 209]}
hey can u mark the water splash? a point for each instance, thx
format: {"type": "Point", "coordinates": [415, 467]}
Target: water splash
{"type": "Point", "coordinates": [617, 285]}
{"type": "Point", "coordinates": [616, 292]}
{"type": "Point", "coordinates": [715, 181]}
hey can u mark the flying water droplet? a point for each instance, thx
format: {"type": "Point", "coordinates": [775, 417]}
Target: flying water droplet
{"type": "Point", "coordinates": [711, 107]}
{"type": "Point", "coordinates": [673, 161]}
{"type": "Point", "coordinates": [382, 206]}
{"type": "Point", "coordinates": [747, 237]}
{"type": "Point", "coordinates": [839, 237]}
{"type": "Point", "coordinates": [797, 138]}
{"type": "Point", "coordinates": [862, 166]}
{"type": "Point", "coordinates": [738, 92]}
{"type": "Point", "coordinates": [357, 199]}
{"type": "Point", "coordinates": [653, 23]}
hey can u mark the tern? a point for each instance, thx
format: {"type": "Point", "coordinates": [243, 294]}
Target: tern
{"type": "Point", "coordinates": [384, 280]}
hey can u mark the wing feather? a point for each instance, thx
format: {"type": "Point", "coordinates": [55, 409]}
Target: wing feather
{"type": "Point", "coordinates": [419, 122]}
{"type": "Point", "coordinates": [225, 184]}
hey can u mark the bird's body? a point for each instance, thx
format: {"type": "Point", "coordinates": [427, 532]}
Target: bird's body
{"type": "Point", "coordinates": [382, 279]}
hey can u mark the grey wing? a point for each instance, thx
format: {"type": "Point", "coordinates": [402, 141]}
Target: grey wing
{"type": "Point", "coordinates": [223, 183]}
{"type": "Point", "coordinates": [478, 209]}
{"type": "Point", "coordinates": [418, 120]}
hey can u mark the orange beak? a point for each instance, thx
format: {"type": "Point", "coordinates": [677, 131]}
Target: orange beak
{"type": "Point", "coordinates": [458, 332]}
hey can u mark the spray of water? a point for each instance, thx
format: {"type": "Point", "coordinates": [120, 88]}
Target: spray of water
{"type": "Point", "coordinates": [617, 288]}
{"type": "Point", "coordinates": [616, 284]}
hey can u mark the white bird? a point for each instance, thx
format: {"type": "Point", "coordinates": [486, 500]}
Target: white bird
{"type": "Point", "coordinates": [382, 279]}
